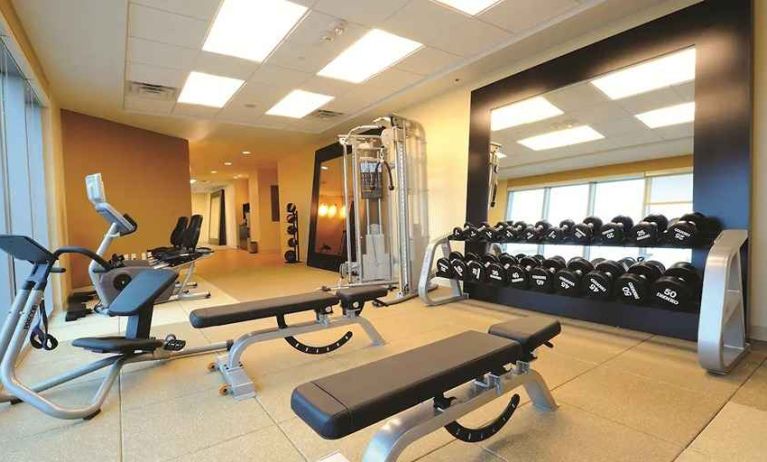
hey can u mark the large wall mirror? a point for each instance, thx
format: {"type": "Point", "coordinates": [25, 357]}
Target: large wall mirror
{"type": "Point", "coordinates": [656, 119]}
{"type": "Point", "coordinates": [620, 144]}
{"type": "Point", "coordinates": [327, 228]}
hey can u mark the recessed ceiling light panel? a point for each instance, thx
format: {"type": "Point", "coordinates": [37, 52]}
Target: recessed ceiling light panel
{"type": "Point", "coordinates": [672, 69]}
{"type": "Point", "coordinates": [671, 115]}
{"type": "Point", "coordinates": [228, 164]}
{"type": "Point", "coordinates": [523, 112]}
{"type": "Point", "coordinates": [374, 52]}
{"type": "Point", "coordinates": [472, 7]}
{"type": "Point", "coordinates": [208, 90]}
{"type": "Point", "coordinates": [298, 104]}
{"type": "Point", "coordinates": [251, 29]}
{"type": "Point", "coordinates": [560, 138]}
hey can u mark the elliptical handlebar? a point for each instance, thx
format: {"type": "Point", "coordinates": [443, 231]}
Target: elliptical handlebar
{"type": "Point", "coordinates": [85, 252]}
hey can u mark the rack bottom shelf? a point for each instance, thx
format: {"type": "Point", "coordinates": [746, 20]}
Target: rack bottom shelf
{"type": "Point", "coordinates": [678, 324]}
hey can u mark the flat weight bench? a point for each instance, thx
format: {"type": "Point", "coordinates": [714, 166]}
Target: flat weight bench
{"type": "Point", "coordinates": [352, 301]}
{"type": "Point", "coordinates": [409, 388]}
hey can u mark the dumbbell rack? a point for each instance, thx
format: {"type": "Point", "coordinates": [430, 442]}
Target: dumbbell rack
{"type": "Point", "coordinates": [719, 327]}
{"type": "Point", "coordinates": [292, 255]}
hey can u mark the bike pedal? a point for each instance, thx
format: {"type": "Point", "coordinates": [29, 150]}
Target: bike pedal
{"type": "Point", "coordinates": [174, 345]}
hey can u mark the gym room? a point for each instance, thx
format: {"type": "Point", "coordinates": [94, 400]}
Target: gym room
{"type": "Point", "coordinates": [362, 230]}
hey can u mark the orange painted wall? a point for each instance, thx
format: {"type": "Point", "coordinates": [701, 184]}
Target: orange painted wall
{"type": "Point", "coordinates": [146, 175]}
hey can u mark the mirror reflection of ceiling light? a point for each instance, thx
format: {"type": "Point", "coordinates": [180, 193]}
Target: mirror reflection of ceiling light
{"type": "Point", "coordinates": [208, 90]}
{"type": "Point", "coordinates": [192, 181]}
{"type": "Point", "coordinates": [332, 211]}
{"type": "Point", "coordinates": [472, 7]}
{"type": "Point", "coordinates": [672, 69]}
{"type": "Point", "coordinates": [245, 153]}
{"type": "Point", "coordinates": [561, 138]}
{"type": "Point", "coordinates": [214, 172]}
{"type": "Point", "coordinates": [374, 52]}
{"type": "Point", "coordinates": [670, 115]}
{"type": "Point", "coordinates": [228, 164]}
{"type": "Point", "coordinates": [298, 104]}
{"type": "Point", "coordinates": [324, 167]}
{"type": "Point", "coordinates": [523, 112]}
{"type": "Point", "coordinates": [322, 210]}
{"type": "Point", "coordinates": [251, 29]}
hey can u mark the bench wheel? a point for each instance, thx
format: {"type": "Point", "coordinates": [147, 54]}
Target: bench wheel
{"type": "Point", "coordinates": [224, 390]}
{"type": "Point", "coordinates": [313, 350]}
{"type": "Point", "coordinates": [472, 435]}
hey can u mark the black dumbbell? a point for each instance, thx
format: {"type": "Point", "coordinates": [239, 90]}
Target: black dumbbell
{"type": "Point", "coordinates": [678, 288]}
{"type": "Point", "coordinates": [583, 233]}
{"type": "Point", "coordinates": [519, 274]}
{"type": "Point", "coordinates": [692, 228]}
{"type": "Point", "coordinates": [493, 233]}
{"type": "Point", "coordinates": [569, 281]}
{"type": "Point", "coordinates": [291, 207]}
{"type": "Point", "coordinates": [292, 230]}
{"type": "Point", "coordinates": [466, 268]}
{"type": "Point", "coordinates": [534, 233]}
{"type": "Point", "coordinates": [599, 282]}
{"type": "Point", "coordinates": [476, 268]}
{"type": "Point", "coordinates": [445, 269]}
{"type": "Point", "coordinates": [560, 233]}
{"type": "Point", "coordinates": [649, 231]}
{"type": "Point", "coordinates": [292, 242]}
{"type": "Point", "coordinates": [462, 234]}
{"type": "Point", "coordinates": [542, 277]}
{"type": "Point", "coordinates": [460, 271]}
{"type": "Point", "coordinates": [615, 232]}
{"type": "Point", "coordinates": [634, 285]}
{"type": "Point", "coordinates": [513, 231]}
{"type": "Point", "coordinates": [495, 273]}
{"type": "Point", "coordinates": [507, 260]}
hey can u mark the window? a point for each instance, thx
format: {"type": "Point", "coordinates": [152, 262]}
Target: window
{"type": "Point", "coordinates": [636, 197]}
{"type": "Point", "coordinates": [23, 208]}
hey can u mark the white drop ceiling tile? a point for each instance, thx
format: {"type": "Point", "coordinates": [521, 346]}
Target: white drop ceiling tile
{"type": "Point", "coordinates": [161, 26]}
{"type": "Point", "coordinates": [274, 122]}
{"type": "Point", "coordinates": [305, 57]}
{"type": "Point", "coordinates": [444, 28]}
{"type": "Point", "coordinates": [226, 66]}
{"type": "Point", "coordinates": [386, 83]}
{"type": "Point", "coordinates": [616, 127]}
{"type": "Point", "coordinates": [240, 115]}
{"type": "Point", "coordinates": [651, 100]}
{"type": "Point", "coordinates": [577, 96]}
{"type": "Point", "coordinates": [686, 91]}
{"type": "Point", "coordinates": [312, 125]}
{"type": "Point", "coordinates": [316, 25]}
{"type": "Point", "coordinates": [327, 86]}
{"type": "Point", "coordinates": [200, 9]}
{"type": "Point", "coordinates": [347, 104]}
{"type": "Point", "coordinates": [160, 54]}
{"type": "Point", "coordinates": [368, 12]}
{"type": "Point", "coordinates": [148, 105]}
{"type": "Point", "coordinates": [536, 128]}
{"type": "Point", "coordinates": [156, 75]}
{"type": "Point", "coordinates": [260, 94]}
{"type": "Point", "coordinates": [307, 3]}
{"type": "Point", "coordinates": [194, 110]}
{"type": "Point", "coordinates": [281, 76]}
{"type": "Point", "coordinates": [599, 113]}
{"type": "Point", "coordinates": [674, 132]}
{"type": "Point", "coordinates": [638, 138]}
{"type": "Point", "coordinates": [428, 61]}
{"type": "Point", "coordinates": [522, 15]}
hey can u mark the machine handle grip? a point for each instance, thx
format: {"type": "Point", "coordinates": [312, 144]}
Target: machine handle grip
{"type": "Point", "coordinates": [86, 252]}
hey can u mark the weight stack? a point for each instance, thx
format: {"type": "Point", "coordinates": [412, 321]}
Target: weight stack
{"type": "Point", "coordinates": [292, 255]}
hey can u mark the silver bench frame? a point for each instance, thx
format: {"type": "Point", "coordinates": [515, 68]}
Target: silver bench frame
{"type": "Point", "coordinates": [409, 426]}
{"type": "Point", "coordinates": [240, 385]}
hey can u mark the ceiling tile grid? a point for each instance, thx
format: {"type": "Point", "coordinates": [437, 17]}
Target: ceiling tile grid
{"type": "Point", "coordinates": [165, 39]}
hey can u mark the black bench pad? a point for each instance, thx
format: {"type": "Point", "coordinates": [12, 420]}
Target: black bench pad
{"type": "Point", "coordinates": [259, 309]}
{"type": "Point", "coordinates": [142, 291]}
{"type": "Point", "coordinates": [365, 293]}
{"type": "Point", "coordinates": [117, 344]}
{"type": "Point", "coordinates": [341, 404]}
{"type": "Point", "coordinates": [530, 332]}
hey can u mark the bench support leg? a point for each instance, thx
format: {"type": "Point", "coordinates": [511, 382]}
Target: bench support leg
{"type": "Point", "coordinates": [406, 428]}
{"type": "Point", "coordinates": [230, 366]}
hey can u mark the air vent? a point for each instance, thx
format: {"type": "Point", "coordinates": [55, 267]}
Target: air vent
{"type": "Point", "coordinates": [325, 115]}
{"type": "Point", "coordinates": [152, 91]}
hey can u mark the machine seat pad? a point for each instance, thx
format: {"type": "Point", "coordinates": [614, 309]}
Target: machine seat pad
{"type": "Point", "coordinates": [117, 344]}
{"type": "Point", "coordinates": [259, 309]}
{"type": "Point", "coordinates": [142, 291]}
{"type": "Point", "coordinates": [361, 294]}
{"type": "Point", "coordinates": [530, 332]}
{"type": "Point", "coordinates": [341, 404]}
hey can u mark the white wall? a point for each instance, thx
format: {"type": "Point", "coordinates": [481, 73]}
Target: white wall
{"type": "Point", "coordinates": [201, 206]}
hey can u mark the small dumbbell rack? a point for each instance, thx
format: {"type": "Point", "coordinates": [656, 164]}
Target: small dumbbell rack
{"type": "Point", "coordinates": [292, 255]}
{"type": "Point", "coordinates": [719, 327]}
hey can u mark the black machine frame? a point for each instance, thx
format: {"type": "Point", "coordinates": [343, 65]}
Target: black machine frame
{"type": "Point", "coordinates": [722, 34]}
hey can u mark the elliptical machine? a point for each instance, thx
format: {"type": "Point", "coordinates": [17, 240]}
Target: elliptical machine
{"type": "Point", "coordinates": [108, 281]}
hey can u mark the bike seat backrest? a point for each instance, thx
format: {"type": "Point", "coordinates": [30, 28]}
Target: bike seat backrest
{"type": "Point", "coordinates": [192, 232]}
{"type": "Point", "coordinates": [177, 236]}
